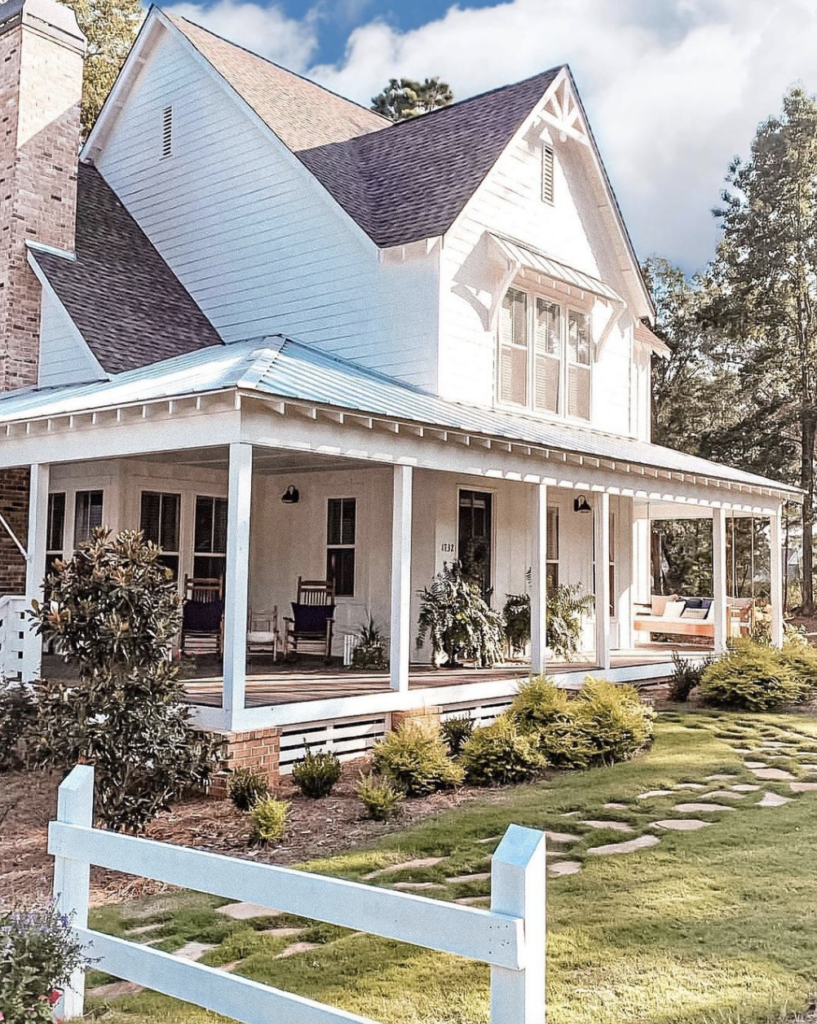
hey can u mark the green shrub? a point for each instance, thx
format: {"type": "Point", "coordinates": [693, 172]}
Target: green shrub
{"type": "Point", "coordinates": [379, 796]}
{"type": "Point", "coordinates": [539, 703]}
{"type": "Point", "coordinates": [801, 659]}
{"type": "Point", "coordinates": [114, 612]}
{"type": "Point", "coordinates": [415, 758]}
{"type": "Point", "coordinates": [613, 719]}
{"type": "Point", "coordinates": [456, 731]}
{"type": "Point", "coordinates": [686, 675]}
{"type": "Point", "coordinates": [458, 620]}
{"type": "Point", "coordinates": [499, 754]}
{"type": "Point", "coordinates": [246, 786]}
{"type": "Point", "coordinates": [565, 744]}
{"type": "Point", "coordinates": [316, 774]}
{"type": "Point", "coordinates": [751, 677]}
{"type": "Point", "coordinates": [18, 715]}
{"type": "Point", "coordinates": [269, 818]}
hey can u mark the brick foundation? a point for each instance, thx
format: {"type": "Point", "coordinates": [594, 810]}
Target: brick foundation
{"type": "Point", "coordinates": [423, 716]}
{"type": "Point", "coordinates": [259, 749]}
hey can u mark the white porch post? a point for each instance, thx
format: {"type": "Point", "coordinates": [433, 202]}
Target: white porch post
{"type": "Point", "coordinates": [35, 566]}
{"type": "Point", "coordinates": [400, 646]}
{"type": "Point", "coordinates": [538, 582]}
{"type": "Point", "coordinates": [776, 576]}
{"type": "Point", "coordinates": [601, 526]}
{"type": "Point", "coordinates": [721, 611]}
{"type": "Point", "coordinates": [237, 577]}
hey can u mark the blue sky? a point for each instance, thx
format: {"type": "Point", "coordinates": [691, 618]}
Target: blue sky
{"type": "Point", "coordinates": [673, 88]}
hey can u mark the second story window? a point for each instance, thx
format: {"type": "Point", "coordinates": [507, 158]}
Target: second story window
{"type": "Point", "coordinates": [545, 355]}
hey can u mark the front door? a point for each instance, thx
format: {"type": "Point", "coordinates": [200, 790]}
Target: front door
{"type": "Point", "coordinates": [475, 548]}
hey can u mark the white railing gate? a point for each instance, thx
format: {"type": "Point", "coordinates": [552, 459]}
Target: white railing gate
{"type": "Point", "coordinates": [510, 936]}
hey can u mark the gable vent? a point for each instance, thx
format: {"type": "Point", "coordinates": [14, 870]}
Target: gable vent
{"type": "Point", "coordinates": [547, 174]}
{"type": "Point", "coordinates": [167, 132]}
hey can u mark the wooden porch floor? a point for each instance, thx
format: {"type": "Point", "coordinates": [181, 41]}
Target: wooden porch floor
{"type": "Point", "coordinates": [269, 686]}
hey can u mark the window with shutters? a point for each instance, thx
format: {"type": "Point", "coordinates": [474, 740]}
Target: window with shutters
{"type": "Point", "coordinates": [87, 514]}
{"type": "Point", "coordinates": [210, 538]}
{"type": "Point", "coordinates": [545, 356]}
{"type": "Point", "coordinates": [160, 525]}
{"type": "Point", "coordinates": [341, 527]}
{"type": "Point", "coordinates": [547, 175]}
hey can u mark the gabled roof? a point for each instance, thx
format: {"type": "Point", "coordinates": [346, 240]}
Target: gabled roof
{"type": "Point", "coordinates": [400, 182]}
{"type": "Point", "coordinates": [126, 302]}
{"type": "Point", "coordinates": [279, 367]}
{"type": "Point", "coordinates": [301, 113]}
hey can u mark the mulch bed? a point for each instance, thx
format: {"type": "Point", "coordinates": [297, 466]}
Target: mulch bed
{"type": "Point", "coordinates": [316, 828]}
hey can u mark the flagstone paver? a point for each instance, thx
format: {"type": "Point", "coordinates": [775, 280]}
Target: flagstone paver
{"type": "Point", "coordinates": [615, 807]}
{"type": "Point", "coordinates": [745, 787]}
{"type": "Point", "coordinates": [561, 837]}
{"type": "Point", "coordinates": [565, 867]}
{"type": "Point", "coordinates": [722, 794]}
{"type": "Point", "coordinates": [281, 933]}
{"type": "Point", "coordinates": [720, 778]}
{"type": "Point", "coordinates": [629, 846]}
{"type": "Point", "coordinates": [116, 990]}
{"type": "Point", "coordinates": [803, 787]}
{"type": "Point", "coordinates": [696, 808]}
{"type": "Point", "coordinates": [681, 824]}
{"type": "Point", "coordinates": [295, 948]}
{"type": "Point", "coordinates": [473, 901]}
{"type": "Point", "coordinates": [194, 950]}
{"type": "Point", "coordinates": [143, 929]}
{"type": "Point", "coordinates": [417, 886]}
{"type": "Point", "coordinates": [490, 839]}
{"type": "Point", "coordinates": [689, 785]}
{"type": "Point", "coordinates": [407, 865]}
{"type": "Point", "coordinates": [756, 765]}
{"type": "Point", "coordinates": [654, 793]}
{"type": "Point", "coordinates": [481, 876]}
{"type": "Point", "coordinates": [773, 800]}
{"type": "Point", "coordinates": [616, 826]}
{"type": "Point", "coordinates": [246, 911]}
{"type": "Point", "coordinates": [772, 774]}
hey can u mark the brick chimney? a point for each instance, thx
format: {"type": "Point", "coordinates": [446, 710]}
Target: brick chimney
{"type": "Point", "coordinates": [41, 60]}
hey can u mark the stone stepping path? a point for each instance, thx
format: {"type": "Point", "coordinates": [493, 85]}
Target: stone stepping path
{"type": "Point", "coordinates": [773, 800]}
{"type": "Point", "coordinates": [417, 886]}
{"type": "Point", "coordinates": [689, 785]}
{"type": "Point", "coordinates": [406, 865]}
{"type": "Point", "coordinates": [142, 929]}
{"type": "Point", "coordinates": [771, 774]}
{"type": "Point", "coordinates": [480, 876]}
{"type": "Point", "coordinates": [281, 933]}
{"type": "Point", "coordinates": [720, 778]}
{"type": "Point", "coordinates": [722, 794]}
{"type": "Point", "coordinates": [295, 948]}
{"type": "Point", "coordinates": [615, 807]}
{"type": "Point", "coordinates": [194, 950]}
{"type": "Point", "coordinates": [696, 808]}
{"type": "Point", "coordinates": [246, 911]}
{"type": "Point", "coordinates": [756, 765]}
{"type": "Point", "coordinates": [653, 793]}
{"type": "Point", "coordinates": [745, 787]}
{"type": "Point", "coordinates": [565, 867]}
{"type": "Point", "coordinates": [681, 824]}
{"type": "Point", "coordinates": [116, 990]}
{"type": "Point", "coordinates": [803, 787]}
{"type": "Point", "coordinates": [615, 826]}
{"type": "Point", "coordinates": [629, 846]}
{"type": "Point", "coordinates": [473, 901]}
{"type": "Point", "coordinates": [561, 837]}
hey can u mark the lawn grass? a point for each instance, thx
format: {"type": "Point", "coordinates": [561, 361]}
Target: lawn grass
{"type": "Point", "coordinates": [710, 926]}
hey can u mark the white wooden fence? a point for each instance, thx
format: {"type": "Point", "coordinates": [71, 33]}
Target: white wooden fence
{"type": "Point", "coordinates": [510, 936]}
{"type": "Point", "coordinates": [13, 627]}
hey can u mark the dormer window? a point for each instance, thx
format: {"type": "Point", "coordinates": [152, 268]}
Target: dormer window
{"type": "Point", "coordinates": [167, 132]}
{"type": "Point", "coordinates": [545, 355]}
{"type": "Point", "coordinates": [547, 174]}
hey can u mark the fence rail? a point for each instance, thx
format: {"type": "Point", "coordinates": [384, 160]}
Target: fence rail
{"type": "Point", "coordinates": [510, 936]}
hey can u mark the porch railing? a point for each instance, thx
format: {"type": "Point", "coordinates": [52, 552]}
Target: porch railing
{"type": "Point", "coordinates": [510, 936]}
{"type": "Point", "coordinates": [12, 633]}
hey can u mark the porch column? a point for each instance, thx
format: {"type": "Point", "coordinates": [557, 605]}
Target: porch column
{"type": "Point", "coordinates": [776, 576]}
{"type": "Point", "coordinates": [35, 565]}
{"type": "Point", "coordinates": [400, 646]}
{"type": "Point", "coordinates": [236, 581]}
{"type": "Point", "coordinates": [538, 582]}
{"type": "Point", "coordinates": [601, 526]}
{"type": "Point", "coordinates": [721, 611]}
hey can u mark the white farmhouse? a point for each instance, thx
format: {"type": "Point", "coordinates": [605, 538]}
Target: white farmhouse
{"type": "Point", "coordinates": [291, 340]}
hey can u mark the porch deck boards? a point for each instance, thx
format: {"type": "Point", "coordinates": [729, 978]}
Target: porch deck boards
{"type": "Point", "coordinates": [283, 685]}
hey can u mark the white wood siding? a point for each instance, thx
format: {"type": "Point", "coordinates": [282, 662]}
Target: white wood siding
{"type": "Point", "coordinates": [509, 202]}
{"type": "Point", "coordinates": [253, 237]}
{"type": "Point", "coordinates": [64, 356]}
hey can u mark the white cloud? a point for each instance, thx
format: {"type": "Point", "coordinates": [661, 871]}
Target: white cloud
{"type": "Point", "coordinates": [264, 30]}
{"type": "Point", "coordinates": [673, 89]}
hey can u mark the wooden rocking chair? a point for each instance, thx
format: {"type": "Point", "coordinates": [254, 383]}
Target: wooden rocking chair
{"type": "Point", "coordinates": [203, 617]}
{"type": "Point", "coordinates": [310, 628]}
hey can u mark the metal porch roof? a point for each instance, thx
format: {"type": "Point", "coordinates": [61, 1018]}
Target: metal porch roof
{"type": "Point", "coordinates": [291, 370]}
{"type": "Point", "coordinates": [523, 256]}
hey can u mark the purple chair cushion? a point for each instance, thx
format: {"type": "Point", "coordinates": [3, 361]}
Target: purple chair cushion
{"type": "Point", "coordinates": [311, 618]}
{"type": "Point", "coordinates": [203, 616]}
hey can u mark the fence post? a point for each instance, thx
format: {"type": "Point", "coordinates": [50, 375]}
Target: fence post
{"type": "Point", "coordinates": [72, 878]}
{"type": "Point", "coordinates": [518, 888]}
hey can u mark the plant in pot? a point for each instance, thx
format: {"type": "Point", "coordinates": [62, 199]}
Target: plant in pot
{"type": "Point", "coordinates": [566, 606]}
{"type": "Point", "coordinates": [370, 647]}
{"type": "Point", "coordinates": [458, 621]}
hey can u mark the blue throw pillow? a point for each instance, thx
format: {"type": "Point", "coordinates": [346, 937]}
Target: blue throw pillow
{"type": "Point", "coordinates": [312, 618]}
{"type": "Point", "coordinates": [693, 602]}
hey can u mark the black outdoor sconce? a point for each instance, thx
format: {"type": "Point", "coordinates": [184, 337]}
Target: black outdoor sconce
{"type": "Point", "coordinates": [581, 504]}
{"type": "Point", "coordinates": [291, 495]}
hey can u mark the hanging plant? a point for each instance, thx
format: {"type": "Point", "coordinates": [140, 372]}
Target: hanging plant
{"type": "Point", "coordinates": [458, 621]}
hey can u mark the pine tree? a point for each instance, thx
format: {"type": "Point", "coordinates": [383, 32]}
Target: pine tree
{"type": "Point", "coordinates": [404, 98]}
{"type": "Point", "coordinates": [110, 26]}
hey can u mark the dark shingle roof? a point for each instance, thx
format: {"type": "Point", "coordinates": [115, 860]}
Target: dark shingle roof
{"type": "Point", "coordinates": [124, 299]}
{"type": "Point", "coordinates": [411, 181]}
{"type": "Point", "coordinates": [301, 113]}
{"type": "Point", "coordinates": [399, 182]}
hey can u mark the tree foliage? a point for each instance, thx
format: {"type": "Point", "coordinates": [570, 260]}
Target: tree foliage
{"type": "Point", "coordinates": [110, 26]}
{"type": "Point", "coordinates": [113, 612]}
{"type": "Point", "coordinates": [404, 98]}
